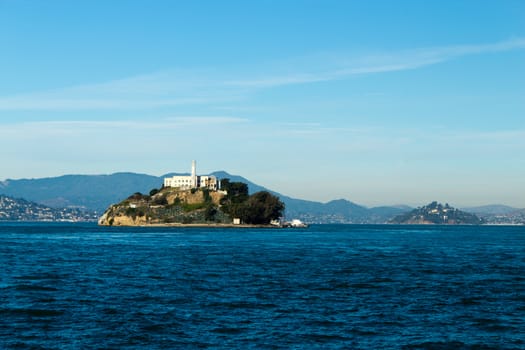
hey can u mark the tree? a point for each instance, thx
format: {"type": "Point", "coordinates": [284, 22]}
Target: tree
{"type": "Point", "coordinates": [161, 201]}
{"type": "Point", "coordinates": [210, 212]}
{"type": "Point", "coordinates": [237, 194]}
{"type": "Point", "coordinates": [225, 184]}
{"type": "Point", "coordinates": [261, 208]}
{"type": "Point", "coordinates": [136, 196]}
{"type": "Point", "coordinates": [206, 195]}
{"type": "Point", "coordinates": [257, 209]}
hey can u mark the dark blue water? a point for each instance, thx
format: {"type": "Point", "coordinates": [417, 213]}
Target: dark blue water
{"type": "Point", "coordinates": [73, 286]}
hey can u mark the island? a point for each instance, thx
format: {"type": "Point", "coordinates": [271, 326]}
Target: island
{"type": "Point", "coordinates": [196, 201]}
{"type": "Point", "coordinates": [437, 214]}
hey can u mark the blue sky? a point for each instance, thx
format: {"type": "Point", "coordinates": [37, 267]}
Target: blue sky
{"type": "Point", "coordinates": [378, 102]}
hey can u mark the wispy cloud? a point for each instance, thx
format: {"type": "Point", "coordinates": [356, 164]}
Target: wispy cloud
{"type": "Point", "coordinates": [342, 66]}
{"type": "Point", "coordinates": [177, 88]}
{"type": "Point", "coordinates": [41, 129]}
{"type": "Point", "coordinates": [157, 90]}
{"type": "Point", "coordinates": [304, 133]}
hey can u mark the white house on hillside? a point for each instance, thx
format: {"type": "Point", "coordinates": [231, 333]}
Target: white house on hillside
{"type": "Point", "coordinates": [193, 180]}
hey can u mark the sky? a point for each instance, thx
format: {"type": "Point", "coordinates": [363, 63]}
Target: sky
{"type": "Point", "coordinates": [378, 102]}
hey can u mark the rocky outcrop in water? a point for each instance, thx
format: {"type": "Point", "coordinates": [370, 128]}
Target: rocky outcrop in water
{"type": "Point", "coordinates": [437, 214]}
{"type": "Point", "coordinates": [167, 206]}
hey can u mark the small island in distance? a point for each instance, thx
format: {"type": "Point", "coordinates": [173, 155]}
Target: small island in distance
{"type": "Point", "coordinates": [437, 214]}
{"type": "Point", "coordinates": [195, 200]}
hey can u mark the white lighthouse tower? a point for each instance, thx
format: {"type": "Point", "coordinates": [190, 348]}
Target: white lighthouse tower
{"type": "Point", "coordinates": [194, 183]}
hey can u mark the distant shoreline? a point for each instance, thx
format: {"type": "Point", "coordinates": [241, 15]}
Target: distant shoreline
{"type": "Point", "coordinates": [94, 222]}
{"type": "Point", "coordinates": [198, 225]}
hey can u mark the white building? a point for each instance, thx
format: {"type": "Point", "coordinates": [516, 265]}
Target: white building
{"type": "Point", "coordinates": [193, 180]}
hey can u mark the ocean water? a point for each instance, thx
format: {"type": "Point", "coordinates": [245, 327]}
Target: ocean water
{"type": "Point", "coordinates": [79, 286]}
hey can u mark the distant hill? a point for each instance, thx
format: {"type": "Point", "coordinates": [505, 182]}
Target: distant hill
{"type": "Point", "coordinates": [337, 211]}
{"type": "Point", "coordinates": [14, 209]}
{"type": "Point", "coordinates": [495, 209]}
{"type": "Point", "coordinates": [515, 217]}
{"type": "Point", "coordinates": [437, 214]}
{"type": "Point", "coordinates": [499, 214]}
{"type": "Point", "coordinates": [97, 192]}
{"type": "Point", "coordinates": [93, 192]}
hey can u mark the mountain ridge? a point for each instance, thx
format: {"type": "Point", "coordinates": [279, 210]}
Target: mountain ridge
{"type": "Point", "coordinates": [97, 192]}
{"type": "Point", "coordinates": [494, 209]}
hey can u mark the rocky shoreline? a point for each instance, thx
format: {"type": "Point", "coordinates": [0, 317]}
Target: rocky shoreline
{"type": "Point", "coordinates": [211, 225]}
{"type": "Point", "coordinates": [232, 207]}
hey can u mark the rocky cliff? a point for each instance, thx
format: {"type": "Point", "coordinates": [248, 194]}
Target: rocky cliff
{"type": "Point", "coordinates": [167, 206]}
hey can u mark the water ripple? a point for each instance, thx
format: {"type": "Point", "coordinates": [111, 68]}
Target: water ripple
{"type": "Point", "coordinates": [335, 286]}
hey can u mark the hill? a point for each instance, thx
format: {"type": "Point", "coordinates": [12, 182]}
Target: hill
{"type": "Point", "coordinates": [92, 192]}
{"type": "Point", "coordinates": [494, 209]}
{"type": "Point", "coordinates": [97, 192]}
{"type": "Point", "coordinates": [14, 209]}
{"type": "Point", "coordinates": [437, 214]}
{"type": "Point", "coordinates": [165, 207]}
{"type": "Point", "coordinates": [340, 211]}
{"type": "Point", "coordinates": [195, 206]}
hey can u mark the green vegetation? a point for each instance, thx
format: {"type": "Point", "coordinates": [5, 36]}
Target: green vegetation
{"type": "Point", "coordinates": [206, 195]}
{"type": "Point", "coordinates": [131, 212]}
{"type": "Point", "coordinates": [261, 208]}
{"type": "Point", "coordinates": [258, 209]}
{"type": "Point", "coordinates": [210, 213]}
{"type": "Point", "coordinates": [237, 191]}
{"type": "Point", "coordinates": [237, 195]}
{"type": "Point", "coordinates": [162, 200]}
{"type": "Point", "coordinates": [199, 206]}
{"type": "Point", "coordinates": [192, 207]}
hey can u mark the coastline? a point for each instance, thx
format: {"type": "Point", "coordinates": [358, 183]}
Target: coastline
{"type": "Point", "coordinates": [198, 225]}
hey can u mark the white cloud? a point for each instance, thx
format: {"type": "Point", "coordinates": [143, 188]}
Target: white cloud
{"type": "Point", "coordinates": [342, 66]}
{"type": "Point", "coordinates": [38, 128]}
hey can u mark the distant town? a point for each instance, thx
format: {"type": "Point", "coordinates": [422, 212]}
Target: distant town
{"type": "Point", "coordinates": [12, 209]}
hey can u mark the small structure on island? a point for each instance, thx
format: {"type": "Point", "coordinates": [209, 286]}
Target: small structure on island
{"type": "Point", "coordinates": [192, 181]}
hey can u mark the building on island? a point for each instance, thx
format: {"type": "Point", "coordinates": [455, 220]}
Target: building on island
{"type": "Point", "coordinates": [193, 180]}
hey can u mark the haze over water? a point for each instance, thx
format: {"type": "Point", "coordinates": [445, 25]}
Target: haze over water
{"type": "Point", "coordinates": [65, 286]}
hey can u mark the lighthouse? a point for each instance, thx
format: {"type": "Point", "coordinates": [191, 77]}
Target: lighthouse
{"type": "Point", "coordinates": [186, 182]}
{"type": "Point", "coordinates": [194, 174]}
